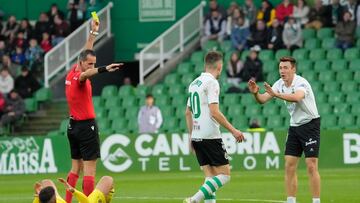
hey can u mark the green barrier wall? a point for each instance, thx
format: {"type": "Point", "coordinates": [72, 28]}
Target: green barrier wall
{"type": "Point", "coordinates": [157, 153]}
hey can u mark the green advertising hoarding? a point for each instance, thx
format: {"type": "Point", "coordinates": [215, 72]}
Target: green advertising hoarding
{"type": "Point", "coordinates": [158, 153]}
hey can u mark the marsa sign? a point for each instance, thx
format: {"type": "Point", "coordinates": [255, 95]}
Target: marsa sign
{"type": "Point", "coordinates": [22, 156]}
{"type": "Point", "coordinates": [165, 149]}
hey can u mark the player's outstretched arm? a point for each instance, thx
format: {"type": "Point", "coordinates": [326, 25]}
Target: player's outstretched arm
{"type": "Point", "coordinates": [221, 119]}
{"type": "Point", "coordinates": [81, 197]}
{"type": "Point", "coordinates": [254, 89]}
{"type": "Point", "coordinates": [37, 189]}
{"type": "Point", "coordinates": [93, 71]}
{"type": "Point", "coordinates": [295, 97]}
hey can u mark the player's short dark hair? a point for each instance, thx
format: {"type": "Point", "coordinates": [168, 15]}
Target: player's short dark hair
{"type": "Point", "coordinates": [288, 59]}
{"type": "Point", "coordinates": [149, 96]}
{"type": "Point", "coordinates": [84, 54]}
{"type": "Point", "coordinates": [212, 57]}
{"type": "Point", "coordinates": [46, 194]}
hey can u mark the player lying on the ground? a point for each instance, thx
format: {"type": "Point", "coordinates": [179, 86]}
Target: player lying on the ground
{"type": "Point", "coordinates": [46, 192]}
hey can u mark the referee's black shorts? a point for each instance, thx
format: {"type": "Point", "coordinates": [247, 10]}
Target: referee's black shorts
{"type": "Point", "coordinates": [84, 139]}
{"type": "Point", "coordinates": [304, 138]}
{"type": "Point", "coordinates": [210, 152]}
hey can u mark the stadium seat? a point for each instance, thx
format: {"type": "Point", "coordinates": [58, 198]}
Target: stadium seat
{"type": "Point", "coordinates": [326, 76]}
{"type": "Point", "coordinates": [333, 54]}
{"type": "Point", "coordinates": [341, 109]}
{"type": "Point", "coordinates": [328, 43]}
{"type": "Point", "coordinates": [231, 99]}
{"type": "Point", "coordinates": [162, 101]}
{"type": "Point", "coordinates": [349, 86]}
{"type": "Point", "coordinates": [357, 32]}
{"type": "Point", "coordinates": [272, 77]}
{"type": "Point", "coordinates": [177, 89]}
{"type": "Point", "coordinates": [210, 45]}
{"type": "Point", "coordinates": [344, 76]}
{"type": "Point", "coordinates": [226, 46]}
{"type": "Point", "coordinates": [236, 111]}
{"type": "Point", "coordinates": [251, 110]}
{"type": "Point", "coordinates": [247, 99]}
{"type": "Point", "coordinates": [131, 113]}
{"type": "Point", "coordinates": [112, 103]}
{"type": "Point", "coordinates": [274, 122]}
{"type": "Point", "coordinates": [316, 86]}
{"type": "Point", "coordinates": [64, 126]}
{"type": "Point", "coordinates": [325, 109]}
{"type": "Point", "coordinates": [304, 65]}
{"type": "Point", "coordinates": [352, 53]}
{"type": "Point", "coordinates": [126, 90]}
{"type": "Point", "coordinates": [259, 118]}
{"type": "Point", "coordinates": [266, 55]}
{"type": "Point", "coordinates": [104, 126]}
{"type": "Point", "coordinates": [185, 67]}
{"type": "Point", "coordinates": [331, 87]}
{"type": "Point", "coordinates": [308, 33]}
{"type": "Point", "coordinates": [171, 79]}
{"type": "Point", "coordinates": [321, 65]}
{"type": "Point", "coordinates": [324, 33]}
{"type": "Point", "coordinates": [119, 125]}
{"type": "Point", "coordinates": [310, 75]}
{"type": "Point", "coordinates": [132, 126]}
{"type": "Point", "coordinates": [142, 91]}
{"type": "Point", "coordinates": [336, 97]}
{"type": "Point", "coordinates": [354, 64]}
{"type": "Point", "coordinates": [240, 122]}
{"type": "Point", "coordinates": [317, 54]}
{"type": "Point", "coordinates": [244, 54]}
{"type": "Point", "coordinates": [312, 43]}
{"type": "Point", "coordinates": [282, 52]}
{"type": "Point", "coordinates": [31, 105]}
{"type": "Point", "coordinates": [180, 112]}
{"type": "Point", "coordinates": [197, 57]}
{"type": "Point", "coordinates": [129, 102]}
{"type": "Point", "coordinates": [328, 122]}
{"type": "Point", "coordinates": [109, 91]}
{"type": "Point", "coordinates": [43, 95]}
{"type": "Point", "coordinates": [116, 114]}
{"type": "Point", "coordinates": [356, 75]}
{"type": "Point", "coordinates": [355, 109]}
{"type": "Point", "coordinates": [101, 113]}
{"type": "Point", "coordinates": [159, 90]}
{"type": "Point", "coordinates": [321, 98]}
{"type": "Point", "coordinates": [167, 111]}
{"type": "Point", "coordinates": [180, 101]}
{"type": "Point", "coordinates": [270, 110]}
{"type": "Point", "coordinates": [170, 125]}
{"type": "Point", "coordinates": [187, 79]}
{"type": "Point", "coordinates": [270, 66]}
{"type": "Point", "coordinates": [97, 101]}
{"type": "Point", "coordinates": [339, 65]}
{"type": "Point", "coordinates": [352, 98]}
{"type": "Point", "coordinates": [300, 54]}
{"type": "Point", "coordinates": [346, 121]}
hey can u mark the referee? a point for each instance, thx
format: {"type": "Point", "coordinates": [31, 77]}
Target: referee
{"type": "Point", "coordinates": [304, 130]}
{"type": "Point", "coordinates": [82, 130]}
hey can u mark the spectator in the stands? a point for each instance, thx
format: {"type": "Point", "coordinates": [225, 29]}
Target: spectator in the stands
{"type": "Point", "coordinates": [14, 108]}
{"type": "Point", "coordinates": [61, 30]}
{"type": "Point", "coordinates": [26, 28]}
{"type": "Point", "coordinates": [7, 64]}
{"type": "Point", "coordinates": [75, 14]}
{"type": "Point", "coordinates": [215, 28]}
{"type": "Point", "coordinates": [345, 32]}
{"type": "Point", "coordinates": [284, 10]}
{"type": "Point", "coordinates": [301, 12]}
{"type": "Point", "coordinates": [266, 13]}
{"type": "Point", "coordinates": [3, 48]}
{"type": "Point", "coordinates": [234, 68]}
{"type": "Point", "coordinates": [6, 81]}
{"type": "Point", "coordinates": [2, 104]}
{"type": "Point", "coordinates": [96, 5]}
{"type": "Point", "coordinates": [215, 6]}
{"type": "Point", "coordinates": [232, 20]}
{"type": "Point", "coordinates": [240, 34]}
{"type": "Point", "coordinates": [42, 25]}
{"type": "Point", "coordinates": [292, 34]}
{"type": "Point", "coordinates": [319, 16]}
{"type": "Point", "coordinates": [45, 42]}
{"type": "Point", "coordinates": [351, 6]}
{"type": "Point", "coordinates": [337, 11]}
{"type": "Point", "coordinates": [149, 116]}
{"type": "Point", "coordinates": [34, 54]}
{"type": "Point", "coordinates": [357, 13]}
{"type": "Point", "coordinates": [53, 12]}
{"type": "Point", "coordinates": [253, 67]}
{"type": "Point", "coordinates": [18, 57]}
{"type": "Point", "coordinates": [259, 35]}
{"type": "Point", "coordinates": [233, 5]}
{"type": "Point", "coordinates": [275, 41]}
{"type": "Point", "coordinates": [26, 84]}
{"type": "Point", "coordinates": [19, 41]}
{"type": "Point", "coordinates": [250, 11]}
{"type": "Point", "coordinates": [11, 27]}
{"type": "Point", "coordinates": [127, 81]}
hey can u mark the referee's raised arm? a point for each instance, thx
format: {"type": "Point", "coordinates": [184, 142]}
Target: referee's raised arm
{"type": "Point", "coordinates": [89, 45]}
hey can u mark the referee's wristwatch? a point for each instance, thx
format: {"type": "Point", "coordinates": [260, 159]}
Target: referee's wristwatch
{"type": "Point", "coordinates": [94, 33]}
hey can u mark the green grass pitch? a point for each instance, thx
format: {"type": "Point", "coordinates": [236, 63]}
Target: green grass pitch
{"type": "Point", "coordinates": [338, 185]}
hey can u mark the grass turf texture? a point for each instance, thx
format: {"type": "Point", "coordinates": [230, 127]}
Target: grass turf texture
{"type": "Point", "coordinates": [338, 185]}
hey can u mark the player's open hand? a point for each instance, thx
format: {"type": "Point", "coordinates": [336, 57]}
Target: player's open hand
{"type": "Point", "coordinates": [238, 135]}
{"type": "Point", "coordinates": [253, 87]}
{"type": "Point", "coordinates": [95, 25]}
{"type": "Point", "coordinates": [114, 67]}
{"type": "Point", "coordinates": [37, 188]}
{"type": "Point", "coordinates": [66, 184]}
{"type": "Point", "coordinates": [269, 90]}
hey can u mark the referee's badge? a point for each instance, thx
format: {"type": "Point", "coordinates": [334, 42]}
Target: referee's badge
{"type": "Point", "coordinates": [92, 127]}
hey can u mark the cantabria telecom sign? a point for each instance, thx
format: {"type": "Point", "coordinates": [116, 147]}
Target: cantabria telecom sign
{"type": "Point", "coordinates": [172, 152]}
